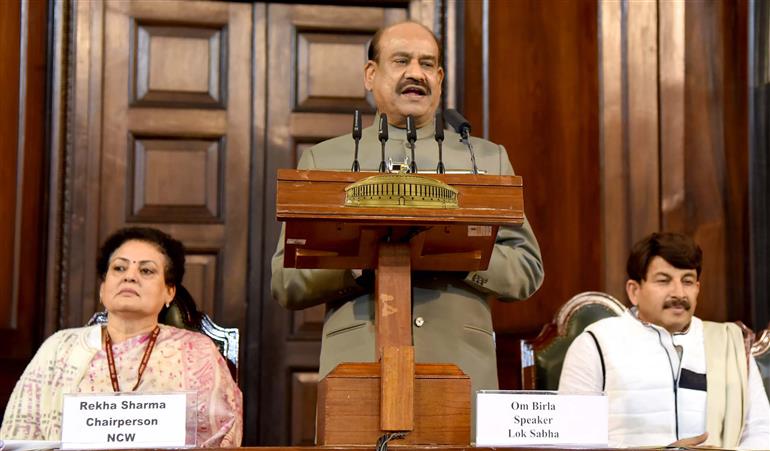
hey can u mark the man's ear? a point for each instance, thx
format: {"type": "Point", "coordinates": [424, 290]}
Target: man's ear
{"type": "Point", "coordinates": [632, 290]}
{"type": "Point", "coordinates": [370, 69]}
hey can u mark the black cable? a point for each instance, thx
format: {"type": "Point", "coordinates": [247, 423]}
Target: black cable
{"type": "Point", "coordinates": [382, 442]}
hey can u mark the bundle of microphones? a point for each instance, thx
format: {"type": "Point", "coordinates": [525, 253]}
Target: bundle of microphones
{"type": "Point", "coordinates": [455, 119]}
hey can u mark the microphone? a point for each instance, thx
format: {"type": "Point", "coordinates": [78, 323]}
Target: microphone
{"type": "Point", "coordinates": [463, 127]}
{"type": "Point", "coordinates": [382, 135]}
{"type": "Point", "coordinates": [356, 137]}
{"type": "Point", "coordinates": [439, 135]}
{"type": "Point", "coordinates": [458, 122]}
{"type": "Point", "coordinates": [411, 136]}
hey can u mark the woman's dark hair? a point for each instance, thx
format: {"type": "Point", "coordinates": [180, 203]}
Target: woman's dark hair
{"type": "Point", "coordinates": [679, 250]}
{"type": "Point", "coordinates": [182, 312]}
{"type": "Point", "coordinates": [172, 249]}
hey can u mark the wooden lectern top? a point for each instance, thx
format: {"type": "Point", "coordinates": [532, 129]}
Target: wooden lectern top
{"type": "Point", "coordinates": [320, 195]}
{"type": "Point", "coordinates": [321, 232]}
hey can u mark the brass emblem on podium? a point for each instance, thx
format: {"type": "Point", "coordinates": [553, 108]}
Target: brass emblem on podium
{"type": "Point", "coordinates": [400, 190]}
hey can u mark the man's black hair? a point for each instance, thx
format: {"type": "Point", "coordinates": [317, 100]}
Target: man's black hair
{"type": "Point", "coordinates": [679, 250]}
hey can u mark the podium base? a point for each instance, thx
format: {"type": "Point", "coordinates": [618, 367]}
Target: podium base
{"type": "Point", "coordinates": [348, 411]}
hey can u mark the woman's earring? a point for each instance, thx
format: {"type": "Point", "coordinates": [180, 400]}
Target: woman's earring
{"type": "Point", "coordinates": [168, 304]}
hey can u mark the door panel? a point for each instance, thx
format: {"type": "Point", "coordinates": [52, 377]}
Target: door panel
{"type": "Point", "coordinates": [176, 137]}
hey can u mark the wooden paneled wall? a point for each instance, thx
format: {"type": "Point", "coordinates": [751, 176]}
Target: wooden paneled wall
{"type": "Point", "coordinates": [759, 160]}
{"type": "Point", "coordinates": [677, 130]}
{"type": "Point", "coordinates": [548, 121]}
{"type": "Point", "coordinates": [716, 154]}
{"type": "Point", "coordinates": [543, 107]}
{"type": "Point", "coordinates": [10, 26]}
{"type": "Point", "coordinates": [624, 118]}
{"type": "Point", "coordinates": [22, 183]}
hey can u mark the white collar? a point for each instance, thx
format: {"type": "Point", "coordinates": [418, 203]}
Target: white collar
{"type": "Point", "coordinates": [634, 312]}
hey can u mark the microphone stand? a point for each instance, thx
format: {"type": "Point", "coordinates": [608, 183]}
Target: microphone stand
{"type": "Point", "coordinates": [439, 135]}
{"type": "Point", "coordinates": [382, 134]}
{"type": "Point", "coordinates": [411, 136]}
{"type": "Point", "coordinates": [467, 142]}
{"type": "Point", "coordinates": [356, 137]}
{"type": "Point", "coordinates": [463, 127]}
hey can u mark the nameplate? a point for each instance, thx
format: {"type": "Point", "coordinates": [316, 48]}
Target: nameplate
{"type": "Point", "coordinates": [128, 420]}
{"type": "Point", "coordinates": [514, 418]}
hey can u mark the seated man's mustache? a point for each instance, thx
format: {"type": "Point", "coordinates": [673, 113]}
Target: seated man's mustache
{"type": "Point", "coordinates": [677, 302]}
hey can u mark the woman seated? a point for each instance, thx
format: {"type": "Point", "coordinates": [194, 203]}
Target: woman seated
{"type": "Point", "coordinates": [140, 270]}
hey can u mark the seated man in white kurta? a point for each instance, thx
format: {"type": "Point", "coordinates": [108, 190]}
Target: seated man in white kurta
{"type": "Point", "coordinates": [670, 377]}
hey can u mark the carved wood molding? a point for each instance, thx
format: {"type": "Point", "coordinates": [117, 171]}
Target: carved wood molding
{"type": "Point", "coordinates": [74, 149]}
{"type": "Point", "coordinates": [59, 147]}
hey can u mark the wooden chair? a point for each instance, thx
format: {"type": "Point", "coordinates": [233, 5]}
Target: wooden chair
{"type": "Point", "coordinates": [542, 358]}
{"type": "Point", "coordinates": [760, 349]}
{"type": "Point", "coordinates": [183, 313]}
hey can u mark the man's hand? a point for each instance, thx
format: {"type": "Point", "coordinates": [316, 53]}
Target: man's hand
{"type": "Point", "coordinates": [689, 442]}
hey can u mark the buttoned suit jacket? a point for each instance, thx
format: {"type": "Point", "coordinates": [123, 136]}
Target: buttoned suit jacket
{"type": "Point", "coordinates": [452, 320]}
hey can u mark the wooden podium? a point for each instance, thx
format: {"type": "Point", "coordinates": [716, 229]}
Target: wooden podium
{"type": "Point", "coordinates": [359, 402]}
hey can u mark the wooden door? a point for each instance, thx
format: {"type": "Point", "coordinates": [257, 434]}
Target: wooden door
{"type": "Point", "coordinates": [313, 87]}
{"type": "Point", "coordinates": [161, 136]}
{"type": "Point", "coordinates": [172, 84]}
{"type": "Point", "coordinates": [175, 152]}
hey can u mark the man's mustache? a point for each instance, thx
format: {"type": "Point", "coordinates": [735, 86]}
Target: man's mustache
{"type": "Point", "coordinates": [677, 302]}
{"type": "Point", "coordinates": [412, 83]}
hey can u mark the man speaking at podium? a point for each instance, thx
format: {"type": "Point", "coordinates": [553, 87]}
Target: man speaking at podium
{"type": "Point", "coordinates": [451, 315]}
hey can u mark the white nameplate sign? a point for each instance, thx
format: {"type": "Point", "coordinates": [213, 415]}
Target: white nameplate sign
{"type": "Point", "coordinates": [515, 418]}
{"type": "Point", "coordinates": [127, 420]}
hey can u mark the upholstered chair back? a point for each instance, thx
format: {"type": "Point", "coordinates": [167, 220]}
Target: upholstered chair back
{"type": "Point", "coordinates": [543, 357]}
